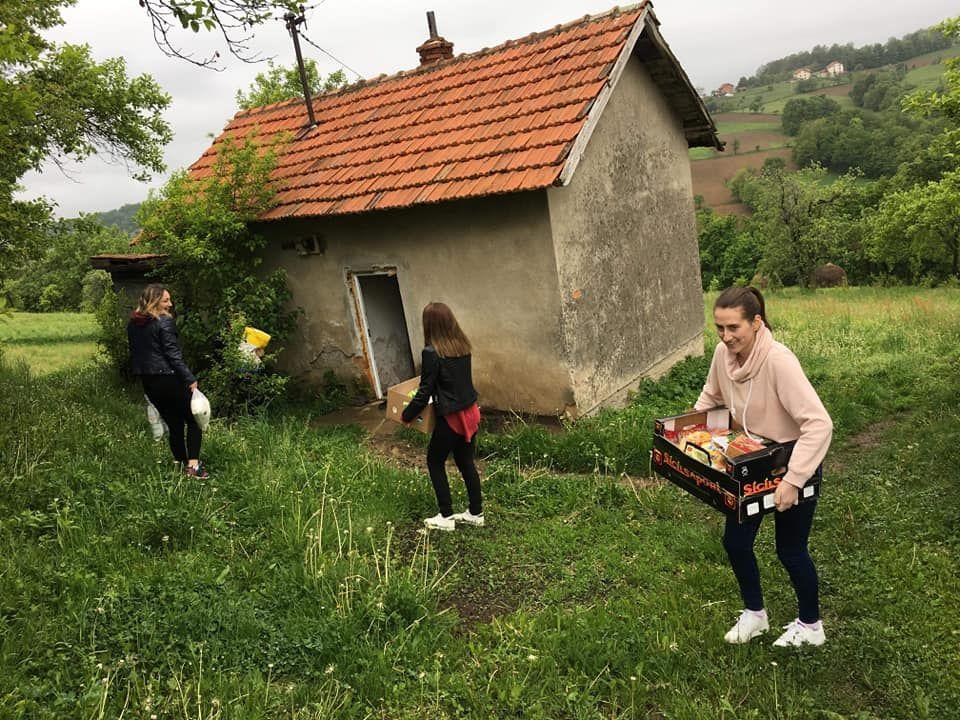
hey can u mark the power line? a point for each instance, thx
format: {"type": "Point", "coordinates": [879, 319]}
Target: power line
{"type": "Point", "coordinates": [331, 56]}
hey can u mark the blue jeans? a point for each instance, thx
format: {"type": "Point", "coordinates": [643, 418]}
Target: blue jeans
{"type": "Point", "coordinates": [792, 533]}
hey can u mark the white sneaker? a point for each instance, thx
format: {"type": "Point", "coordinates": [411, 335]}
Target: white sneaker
{"type": "Point", "coordinates": [749, 625]}
{"type": "Point", "coordinates": [797, 634]}
{"type": "Point", "coordinates": [469, 518]}
{"type": "Point", "coordinates": [439, 522]}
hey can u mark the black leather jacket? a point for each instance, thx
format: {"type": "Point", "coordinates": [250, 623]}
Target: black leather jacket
{"type": "Point", "coordinates": [447, 380]}
{"type": "Point", "coordinates": [155, 348]}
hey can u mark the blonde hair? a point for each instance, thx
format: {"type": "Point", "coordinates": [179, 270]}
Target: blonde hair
{"type": "Point", "coordinates": [150, 299]}
{"type": "Point", "coordinates": [442, 331]}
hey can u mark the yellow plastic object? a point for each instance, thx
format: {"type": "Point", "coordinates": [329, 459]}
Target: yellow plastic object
{"type": "Point", "coordinates": [257, 338]}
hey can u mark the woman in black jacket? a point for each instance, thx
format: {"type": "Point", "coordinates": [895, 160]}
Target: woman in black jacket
{"type": "Point", "coordinates": [156, 357]}
{"type": "Point", "coordinates": [445, 376]}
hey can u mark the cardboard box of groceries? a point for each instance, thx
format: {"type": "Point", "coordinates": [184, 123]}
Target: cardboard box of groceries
{"type": "Point", "coordinates": [708, 455]}
{"type": "Point", "coordinates": [399, 396]}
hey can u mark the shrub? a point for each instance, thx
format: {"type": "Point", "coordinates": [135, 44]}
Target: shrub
{"type": "Point", "coordinates": [112, 337]}
{"type": "Point", "coordinates": [96, 284]}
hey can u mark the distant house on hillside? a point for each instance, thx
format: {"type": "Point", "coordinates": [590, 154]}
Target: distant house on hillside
{"type": "Point", "coordinates": [725, 90]}
{"type": "Point", "coordinates": [541, 188]}
{"type": "Point", "coordinates": [835, 68]}
{"type": "Point", "coordinates": [802, 74]}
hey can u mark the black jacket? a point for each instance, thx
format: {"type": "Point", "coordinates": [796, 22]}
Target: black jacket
{"type": "Point", "coordinates": [155, 347]}
{"type": "Point", "coordinates": [447, 380]}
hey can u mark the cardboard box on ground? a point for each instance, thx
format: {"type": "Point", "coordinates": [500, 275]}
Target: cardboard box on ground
{"type": "Point", "coordinates": [739, 480]}
{"type": "Point", "coordinates": [399, 396]}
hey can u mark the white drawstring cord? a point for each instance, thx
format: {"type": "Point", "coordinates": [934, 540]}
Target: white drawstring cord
{"type": "Point", "coordinates": [745, 406]}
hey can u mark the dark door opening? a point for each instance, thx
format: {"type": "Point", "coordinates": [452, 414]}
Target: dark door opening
{"type": "Point", "coordinates": [385, 325]}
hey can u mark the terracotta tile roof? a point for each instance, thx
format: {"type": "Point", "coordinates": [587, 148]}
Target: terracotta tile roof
{"type": "Point", "coordinates": [499, 120]}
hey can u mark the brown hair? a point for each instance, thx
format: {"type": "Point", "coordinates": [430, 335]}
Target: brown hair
{"type": "Point", "coordinates": [442, 331]}
{"type": "Point", "coordinates": [748, 299]}
{"type": "Point", "coordinates": [150, 298]}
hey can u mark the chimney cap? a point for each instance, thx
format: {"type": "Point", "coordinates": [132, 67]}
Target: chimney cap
{"type": "Point", "coordinates": [436, 48]}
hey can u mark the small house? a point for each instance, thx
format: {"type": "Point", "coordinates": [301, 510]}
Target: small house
{"type": "Point", "coordinates": [802, 74]}
{"type": "Point", "coordinates": [541, 188]}
{"type": "Point", "coordinates": [834, 69]}
{"type": "Point", "coordinates": [725, 90]}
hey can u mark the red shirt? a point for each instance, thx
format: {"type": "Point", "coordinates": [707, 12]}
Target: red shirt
{"type": "Point", "coordinates": [465, 422]}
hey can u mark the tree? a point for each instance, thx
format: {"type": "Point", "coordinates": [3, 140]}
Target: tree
{"type": "Point", "coordinates": [213, 269]}
{"type": "Point", "coordinates": [798, 111]}
{"type": "Point", "coordinates": [57, 102]}
{"type": "Point", "coordinates": [50, 275]}
{"type": "Point", "coordinates": [788, 209]}
{"type": "Point", "coordinates": [279, 83]}
{"type": "Point", "coordinates": [233, 19]}
{"type": "Point", "coordinates": [917, 231]}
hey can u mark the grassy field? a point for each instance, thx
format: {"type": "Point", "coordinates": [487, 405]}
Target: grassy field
{"type": "Point", "coordinates": [48, 341]}
{"type": "Point", "coordinates": [295, 583]}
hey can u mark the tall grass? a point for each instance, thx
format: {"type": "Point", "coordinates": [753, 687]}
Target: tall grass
{"type": "Point", "coordinates": [294, 584]}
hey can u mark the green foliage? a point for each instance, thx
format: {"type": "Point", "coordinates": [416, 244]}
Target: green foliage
{"type": "Point", "coordinates": [915, 233]}
{"type": "Point", "coordinates": [123, 218]}
{"type": "Point", "coordinates": [58, 102]}
{"type": "Point", "coordinates": [803, 221]}
{"type": "Point", "coordinates": [112, 333]}
{"type": "Point", "coordinates": [878, 91]}
{"type": "Point", "coordinates": [279, 83]}
{"type": "Point", "coordinates": [729, 254]}
{"type": "Point", "coordinates": [945, 102]}
{"type": "Point", "coordinates": [213, 269]}
{"type": "Point", "coordinates": [51, 270]}
{"type": "Point", "coordinates": [801, 110]}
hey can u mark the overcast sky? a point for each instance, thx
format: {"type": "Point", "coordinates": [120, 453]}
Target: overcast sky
{"type": "Point", "coordinates": [715, 41]}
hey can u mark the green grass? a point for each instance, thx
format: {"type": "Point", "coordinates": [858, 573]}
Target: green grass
{"type": "Point", "coordinates": [728, 128]}
{"type": "Point", "coordinates": [48, 342]}
{"type": "Point", "coordinates": [126, 589]}
{"type": "Point", "coordinates": [701, 153]}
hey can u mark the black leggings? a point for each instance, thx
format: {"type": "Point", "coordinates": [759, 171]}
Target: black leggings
{"type": "Point", "coordinates": [171, 398]}
{"type": "Point", "coordinates": [792, 534]}
{"type": "Point", "coordinates": [442, 443]}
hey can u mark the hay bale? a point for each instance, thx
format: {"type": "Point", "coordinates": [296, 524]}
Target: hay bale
{"type": "Point", "coordinates": [829, 275]}
{"type": "Point", "coordinates": [761, 282]}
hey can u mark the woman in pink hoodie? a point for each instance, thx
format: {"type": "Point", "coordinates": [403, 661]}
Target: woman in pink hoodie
{"type": "Point", "coordinates": [763, 385]}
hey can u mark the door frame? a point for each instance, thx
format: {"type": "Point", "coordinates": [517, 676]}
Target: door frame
{"type": "Point", "coordinates": [360, 316]}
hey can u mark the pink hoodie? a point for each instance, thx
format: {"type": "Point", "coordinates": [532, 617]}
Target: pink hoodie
{"type": "Point", "coordinates": [770, 396]}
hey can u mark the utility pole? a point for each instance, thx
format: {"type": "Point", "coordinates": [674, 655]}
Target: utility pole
{"type": "Point", "coordinates": [293, 22]}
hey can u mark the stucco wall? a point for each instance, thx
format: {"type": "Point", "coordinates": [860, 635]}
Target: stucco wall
{"type": "Point", "coordinates": [490, 259]}
{"type": "Point", "coordinates": [625, 238]}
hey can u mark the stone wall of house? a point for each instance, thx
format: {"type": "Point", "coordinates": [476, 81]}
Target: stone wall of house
{"type": "Point", "coordinates": [625, 236]}
{"type": "Point", "coordinates": [491, 259]}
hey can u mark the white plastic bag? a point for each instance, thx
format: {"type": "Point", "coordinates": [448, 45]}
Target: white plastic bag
{"type": "Point", "coordinates": [200, 407]}
{"type": "Point", "coordinates": [157, 426]}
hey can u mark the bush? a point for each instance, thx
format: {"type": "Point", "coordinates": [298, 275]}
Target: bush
{"type": "Point", "coordinates": [96, 284]}
{"type": "Point", "coordinates": [213, 272]}
{"type": "Point", "coordinates": [112, 337]}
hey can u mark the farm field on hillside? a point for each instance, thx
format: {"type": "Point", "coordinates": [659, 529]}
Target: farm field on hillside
{"type": "Point", "coordinates": [295, 584]}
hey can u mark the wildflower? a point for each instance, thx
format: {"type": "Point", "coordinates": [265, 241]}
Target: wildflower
{"type": "Point", "coordinates": [532, 658]}
{"type": "Point", "coordinates": [165, 538]}
{"type": "Point", "coordinates": [329, 669]}
{"type": "Point", "coordinates": [369, 529]}
{"type": "Point", "coordinates": [774, 663]}
{"type": "Point", "coordinates": [633, 678]}
{"type": "Point", "coordinates": [674, 646]}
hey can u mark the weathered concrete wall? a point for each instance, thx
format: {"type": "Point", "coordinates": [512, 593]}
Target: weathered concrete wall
{"type": "Point", "coordinates": [626, 245]}
{"type": "Point", "coordinates": [490, 259]}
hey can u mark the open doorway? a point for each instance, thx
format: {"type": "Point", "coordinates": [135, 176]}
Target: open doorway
{"type": "Point", "coordinates": [384, 327]}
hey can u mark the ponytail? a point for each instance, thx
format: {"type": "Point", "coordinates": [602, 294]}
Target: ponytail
{"type": "Point", "coordinates": [748, 299]}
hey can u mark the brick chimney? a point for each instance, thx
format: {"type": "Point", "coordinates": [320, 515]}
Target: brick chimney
{"type": "Point", "coordinates": [436, 48]}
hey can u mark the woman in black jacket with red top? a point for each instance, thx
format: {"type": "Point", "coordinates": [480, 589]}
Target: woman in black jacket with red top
{"type": "Point", "coordinates": [156, 357]}
{"type": "Point", "coordinates": [445, 376]}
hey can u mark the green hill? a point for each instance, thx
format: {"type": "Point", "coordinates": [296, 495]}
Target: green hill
{"type": "Point", "coordinates": [123, 218]}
